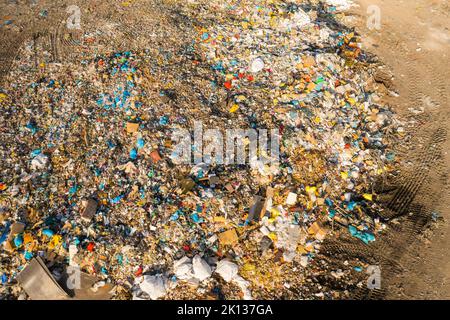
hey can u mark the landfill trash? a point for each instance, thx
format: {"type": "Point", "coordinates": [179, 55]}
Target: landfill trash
{"type": "Point", "coordinates": [89, 174]}
{"type": "Point", "coordinates": [183, 268]}
{"type": "Point", "coordinates": [229, 272]}
{"type": "Point", "coordinates": [202, 270]}
{"type": "Point", "coordinates": [89, 210]}
{"type": "Point", "coordinates": [154, 286]}
{"type": "Point", "coordinates": [11, 234]}
{"type": "Point", "coordinates": [228, 237]}
{"type": "Point", "coordinates": [40, 162]}
{"type": "Point", "coordinates": [39, 283]}
{"type": "Point", "coordinates": [291, 199]}
{"type": "Point", "coordinates": [340, 4]}
{"type": "Point", "coordinates": [257, 65]}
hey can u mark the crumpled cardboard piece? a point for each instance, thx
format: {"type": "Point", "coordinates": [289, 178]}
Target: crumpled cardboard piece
{"type": "Point", "coordinates": [15, 229]}
{"type": "Point", "coordinates": [132, 127]}
{"type": "Point", "coordinates": [228, 237]}
{"type": "Point", "coordinates": [155, 156]}
{"type": "Point", "coordinates": [317, 231]}
{"type": "Point", "coordinates": [187, 185]}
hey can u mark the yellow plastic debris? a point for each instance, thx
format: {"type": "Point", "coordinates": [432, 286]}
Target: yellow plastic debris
{"type": "Point", "coordinates": [3, 96]}
{"type": "Point", "coordinates": [368, 196]}
{"type": "Point", "coordinates": [273, 236]}
{"type": "Point", "coordinates": [311, 189]}
{"type": "Point", "coordinates": [234, 108]}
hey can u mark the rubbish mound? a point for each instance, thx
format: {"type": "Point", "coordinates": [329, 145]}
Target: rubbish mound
{"type": "Point", "coordinates": [89, 176]}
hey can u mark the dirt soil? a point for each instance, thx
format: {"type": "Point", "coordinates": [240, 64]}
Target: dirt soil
{"type": "Point", "coordinates": [414, 43]}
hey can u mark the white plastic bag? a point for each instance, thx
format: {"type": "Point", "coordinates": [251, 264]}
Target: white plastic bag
{"type": "Point", "coordinates": [154, 286]}
{"type": "Point", "coordinates": [202, 270]}
{"type": "Point", "coordinates": [183, 268]}
{"type": "Point", "coordinates": [227, 270]}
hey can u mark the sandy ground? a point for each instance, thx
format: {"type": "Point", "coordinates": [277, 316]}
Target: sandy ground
{"type": "Point", "coordinates": [414, 43]}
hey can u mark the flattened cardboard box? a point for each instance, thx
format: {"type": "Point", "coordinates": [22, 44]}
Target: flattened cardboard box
{"type": "Point", "coordinates": [14, 229]}
{"type": "Point", "coordinates": [39, 284]}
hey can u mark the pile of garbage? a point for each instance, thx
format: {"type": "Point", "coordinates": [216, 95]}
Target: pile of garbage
{"type": "Point", "coordinates": [90, 179]}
